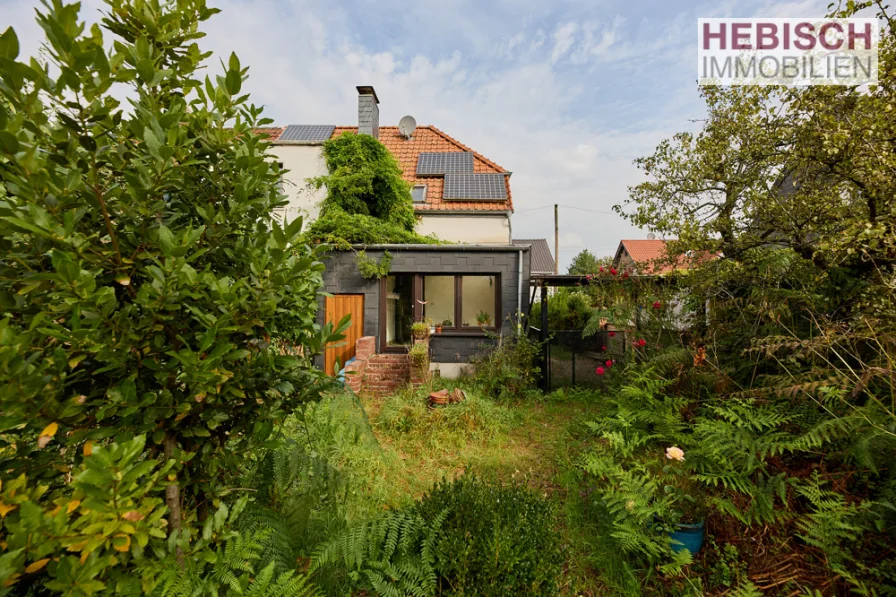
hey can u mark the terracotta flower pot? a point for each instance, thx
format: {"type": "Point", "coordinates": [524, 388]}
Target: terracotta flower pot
{"type": "Point", "coordinates": [439, 398]}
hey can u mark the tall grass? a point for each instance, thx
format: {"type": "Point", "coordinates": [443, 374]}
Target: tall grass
{"type": "Point", "coordinates": [408, 417]}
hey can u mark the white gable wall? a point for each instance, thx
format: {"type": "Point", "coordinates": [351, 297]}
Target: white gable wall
{"type": "Point", "coordinates": [303, 162]}
{"type": "Point", "coordinates": [468, 228]}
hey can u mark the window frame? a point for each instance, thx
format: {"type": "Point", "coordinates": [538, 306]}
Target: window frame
{"type": "Point", "coordinates": [425, 190]}
{"type": "Point", "coordinates": [458, 329]}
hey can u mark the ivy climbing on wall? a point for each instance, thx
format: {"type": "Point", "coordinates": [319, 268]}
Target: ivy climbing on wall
{"type": "Point", "coordinates": [367, 200]}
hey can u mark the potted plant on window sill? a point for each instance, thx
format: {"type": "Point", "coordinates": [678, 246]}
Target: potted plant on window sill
{"type": "Point", "coordinates": [483, 319]}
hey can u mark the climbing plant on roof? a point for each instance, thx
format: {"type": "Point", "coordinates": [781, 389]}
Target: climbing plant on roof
{"type": "Point", "coordinates": [367, 200]}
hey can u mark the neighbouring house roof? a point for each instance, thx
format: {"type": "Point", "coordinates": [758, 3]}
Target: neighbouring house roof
{"type": "Point", "coordinates": [271, 132]}
{"type": "Point", "coordinates": [542, 262]}
{"type": "Point", "coordinates": [650, 256]}
{"type": "Point", "coordinates": [427, 139]}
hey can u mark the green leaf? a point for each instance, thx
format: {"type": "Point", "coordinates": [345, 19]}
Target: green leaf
{"type": "Point", "coordinates": [87, 142]}
{"type": "Point", "coordinates": [9, 44]}
{"type": "Point", "coordinates": [8, 142]}
{"type": "Point", "coordinates": [234, 82]}
{"type": "Point", "coordinates": [146, 70]}
{"type": "Point", "coordinates": [152, 142]}
{"type": "Point", "coordinates": [166, 240]}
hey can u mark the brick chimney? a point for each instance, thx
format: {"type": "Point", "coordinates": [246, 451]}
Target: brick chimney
{"type": "Point", "coordinates": [368, 112]}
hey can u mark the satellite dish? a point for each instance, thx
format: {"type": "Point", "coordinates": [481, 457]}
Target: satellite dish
{"type": "Point", "coordinates": [406, 126]}
{"type": "Point", "coordinates": [651, 236]}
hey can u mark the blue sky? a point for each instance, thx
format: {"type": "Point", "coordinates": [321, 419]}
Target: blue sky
{"type": "Point", "coordinates": [563, 94]}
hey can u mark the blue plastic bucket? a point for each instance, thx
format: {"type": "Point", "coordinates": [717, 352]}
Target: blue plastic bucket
{"type": "Point", "coordinates": [687, 536]}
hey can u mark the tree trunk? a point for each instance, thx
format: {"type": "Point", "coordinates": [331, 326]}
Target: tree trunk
{"type": "Point", "coordinates": [172, 499]}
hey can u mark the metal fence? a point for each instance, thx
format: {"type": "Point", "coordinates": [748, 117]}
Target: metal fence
{"type": "Point", "coordinates": [570, 359]}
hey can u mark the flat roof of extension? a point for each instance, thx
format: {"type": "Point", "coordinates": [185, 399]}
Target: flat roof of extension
{"type": "Point", "coordinates": [447, 247]}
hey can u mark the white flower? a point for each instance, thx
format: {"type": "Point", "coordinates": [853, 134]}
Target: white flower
{"type": "Point", "coordinates": [674, 453]}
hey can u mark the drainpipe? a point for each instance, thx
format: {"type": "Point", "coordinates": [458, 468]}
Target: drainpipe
{"type": "Point", "coordinates": [519, 263]}
{"type": "Point", "coordinates": [519, 287]}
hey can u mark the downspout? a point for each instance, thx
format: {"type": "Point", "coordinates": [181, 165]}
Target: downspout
{"type": "Point", "coordinates": [519, 263]}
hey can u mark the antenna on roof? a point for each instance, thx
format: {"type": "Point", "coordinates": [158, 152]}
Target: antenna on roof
{"type": "Point", "coordinates": [651, 236]}
{"type": "Point", "coordinates": [407, 126]}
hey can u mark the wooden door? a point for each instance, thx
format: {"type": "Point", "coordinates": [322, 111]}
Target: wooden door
{"type": "Point", "coordinates": [335, 308]}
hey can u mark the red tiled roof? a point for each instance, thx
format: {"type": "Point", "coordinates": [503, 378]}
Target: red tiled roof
{"type": "Point", "coordinates": [430, 139]}
{"type": "Point", "coordinates": [650, 255]}
{"type": "Point", "coordinates": [271, 132]}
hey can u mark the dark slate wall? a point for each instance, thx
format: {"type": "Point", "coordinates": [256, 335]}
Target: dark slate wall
{"type": "Point", "coordinates": [342, 277]}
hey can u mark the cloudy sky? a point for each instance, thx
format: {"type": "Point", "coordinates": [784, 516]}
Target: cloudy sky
{"type": "Point", "coordinates": [563, 94]}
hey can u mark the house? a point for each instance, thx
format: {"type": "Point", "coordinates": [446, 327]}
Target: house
{"type": "Point", "coordinates": [472, 289]}
{"type": "Point", "coordinates": [459, 195]}
{"type": "Point", "coordinates": [542, 261]}
{"type": "Point", "coordinates": [649, 256]}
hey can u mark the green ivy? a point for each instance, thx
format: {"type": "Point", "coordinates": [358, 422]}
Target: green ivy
{"type": "Point", "coordinates": [370, 268]}
{"type": "Point", "coordinates": [367, 202]}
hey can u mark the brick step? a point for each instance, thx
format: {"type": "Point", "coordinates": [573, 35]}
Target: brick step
{"type": "Point", "coordinates": [372, 377]}
{"type": "Point", "coordinates": [388, 371]}
{"type": "Point", "coordinates": [392, 358]}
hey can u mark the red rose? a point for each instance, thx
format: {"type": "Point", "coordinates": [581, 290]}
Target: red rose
{"type": "Point", "coordinates": [599, 370]}
{"type": "Point", "coordinates": [609, 363]}
{"type": "Point", "coordinates": [625, 274]}
{"type": "Point", "coordinates": [613, 271]}
{"type": "Point", "coordinates": [642, 342]}
{"type": "Point", "coordinates": [601, 269]}
{"type": "Point", "coordinates": [603, 348]}
{"type": "Point", "coordinates": [612, 334]}
{"type": "Point", "coordinates": [657, 304]}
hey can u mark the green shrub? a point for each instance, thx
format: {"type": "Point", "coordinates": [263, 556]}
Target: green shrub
{"type": "Point", "coordinates": [567, 310]}
{"type": "Point", "coordinates": [507, 371]}
{"type": "Point", "coordinates": [144, 290]}
{"type": "Point", "coordinates": [495, 539]}
{"type": "Point", "coordinates": [466, 537]}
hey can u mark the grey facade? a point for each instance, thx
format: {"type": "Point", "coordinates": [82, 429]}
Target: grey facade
{"type": "Point", "coordinates": [509, 263]}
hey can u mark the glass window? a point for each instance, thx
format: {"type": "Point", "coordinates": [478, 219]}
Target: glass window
{"type": "Point", "coordinates": [399, 309]}
{"type": "Point", "coordinates": [418, 193]}
{"type": "Point", "coordinates": [438, 293]}
{"type": "Point", "coordinates": [478, 300]}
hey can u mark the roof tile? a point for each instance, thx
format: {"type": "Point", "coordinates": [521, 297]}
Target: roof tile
{"type": "Point", "coordinates": [540, 257]}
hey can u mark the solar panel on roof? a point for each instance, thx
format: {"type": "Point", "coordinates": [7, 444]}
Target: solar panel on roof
{"type": "Point", "coordinates": [475, 186]}
{"type": "Point", "coordinates": [457, 162]}
{"type": "Point", "coordinates": [307, 133]}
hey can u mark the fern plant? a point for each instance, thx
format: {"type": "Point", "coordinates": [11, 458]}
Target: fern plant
{"type": "Point", "coordinates": [391, 555]}
{"type": "Point", "coordinates": [235, 568]}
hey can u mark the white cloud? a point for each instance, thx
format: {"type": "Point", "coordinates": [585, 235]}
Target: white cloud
{"type": "Point", "coordinates": [564, 37]}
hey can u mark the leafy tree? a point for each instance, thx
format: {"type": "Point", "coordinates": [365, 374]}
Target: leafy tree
{"type": "Point", "coordinates": [794, 188]}
{"type": "Point", "coordinates": [144, 288]}
{"type": "Point", "coordinates": [586, 263]}
{"type": "Point", "coordinates": [367, 199]}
